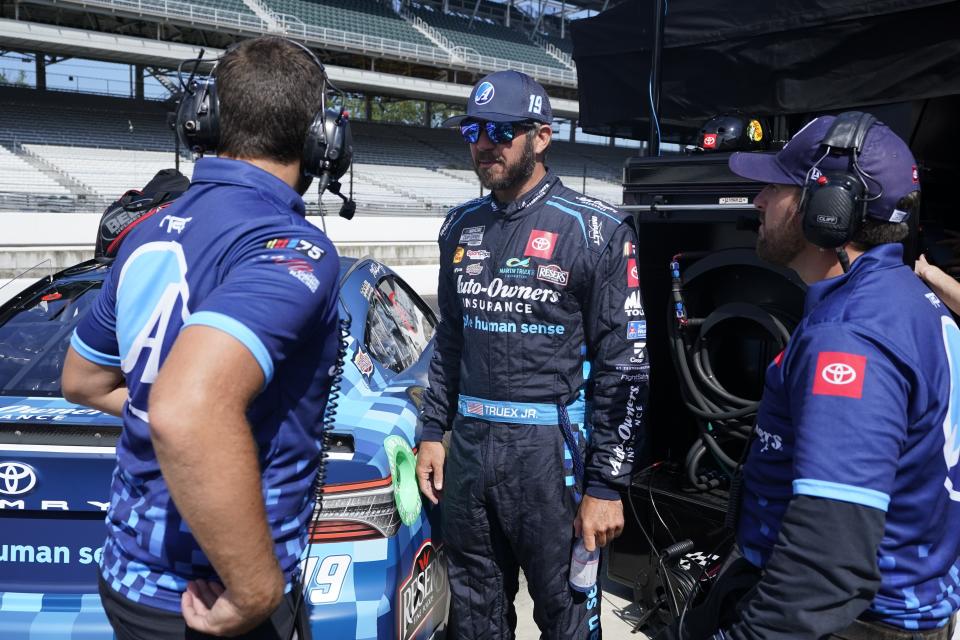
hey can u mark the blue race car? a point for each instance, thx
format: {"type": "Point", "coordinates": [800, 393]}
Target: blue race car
{"type": "Point", "coordinates": [375, 567]}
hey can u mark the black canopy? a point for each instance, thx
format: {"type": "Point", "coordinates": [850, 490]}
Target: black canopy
{"type": "Point", "coordinates": [763, 57]}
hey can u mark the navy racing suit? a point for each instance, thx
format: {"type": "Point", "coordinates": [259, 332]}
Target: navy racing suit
{"type": "Point", "coordinates": [541, 372]}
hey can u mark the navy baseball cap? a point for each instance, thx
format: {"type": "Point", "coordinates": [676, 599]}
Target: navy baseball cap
{"type": "Point", "coordinates": [885, 157]}
{"type": "Point", "coordinates": [506, 96]}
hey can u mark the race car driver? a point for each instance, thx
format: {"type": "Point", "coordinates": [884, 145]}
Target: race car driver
{"type": "Point", "coordinates": [852, 492]}
{"type": "Point", "coordinates": [537, 284]}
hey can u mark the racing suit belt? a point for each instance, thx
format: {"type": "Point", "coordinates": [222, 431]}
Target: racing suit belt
{"type": "Point", "coordinates": [519, 412]}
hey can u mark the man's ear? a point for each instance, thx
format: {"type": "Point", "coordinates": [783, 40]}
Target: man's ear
{"type": "Point", "coordinates": [542, 137]}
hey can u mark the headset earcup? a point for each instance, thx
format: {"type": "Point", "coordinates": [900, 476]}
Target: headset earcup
{"type": "Point", "coordinates": [314, 147]}
{"type": "Point", "coordinates": [211, 131]}
{"type": "Point", "coordinates": [198, 117]}
{"type": "Point", "coordinates": [832, 211]}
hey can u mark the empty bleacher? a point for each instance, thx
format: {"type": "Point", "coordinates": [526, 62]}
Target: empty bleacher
{"type": "Point", "coordinates": [564, 44]}
{"type": "Point", "coordinates": [486, 38]}
{"type": "Point", "coordinates": [107, 172]}
{"type": "Point", "coordinates": [367, 17]}
{"type": "Point", "coordinates": [18, 176]}
{"type": "Point", "coordinates": [63, 118]}
{"type": "Point", "coordinates": [103, 146]}
{"type": "Point", "coordinates": [235, 6]}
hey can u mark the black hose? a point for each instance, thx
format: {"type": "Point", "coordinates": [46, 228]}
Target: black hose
{"type": "Point", "coordinates": [722, 416]}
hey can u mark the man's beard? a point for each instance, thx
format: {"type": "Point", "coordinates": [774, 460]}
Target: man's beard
{"type": "Point", "coordinates": [780, 245]}
{"type": "Point", "coordinates": [513, 175]}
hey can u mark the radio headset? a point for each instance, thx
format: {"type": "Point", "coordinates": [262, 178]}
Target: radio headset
{"type": "Point", "coordinates": [327, 148]}
{"type": "Point", "coordinates": [834, 204]}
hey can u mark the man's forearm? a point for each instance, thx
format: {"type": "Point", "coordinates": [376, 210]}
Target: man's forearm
{"type": "Point", "coordinates": [93, 385]}
{"type": "Point", "coordinates": [213, 474]}
{"type": "Point", "coordinates": [946, 288]}
{"type": "Point", "coordinates": [821, 576]}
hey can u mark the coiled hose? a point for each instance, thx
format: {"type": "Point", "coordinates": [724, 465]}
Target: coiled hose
{"type": "Point", "coordinates": [722, 417]}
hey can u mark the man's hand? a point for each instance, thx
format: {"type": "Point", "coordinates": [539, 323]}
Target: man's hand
{"type": "Point", "coordinates": [430, 459]}
{"type": "Point", "coordinates": [210, 608]}
{"type": "Point", "coordinates": [598, 521]}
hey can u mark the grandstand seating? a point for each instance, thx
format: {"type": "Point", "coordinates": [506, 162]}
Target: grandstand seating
{"type": "Point", "coordinates": [236, 6]}
{"type": "Point", "coordinates": [108, 172]}
{"type": "Point", "coordinates": [366, 17]}
{"type": "Point", "coordinates": [487, 38]}
{"type": "Point", "coordinates": [17, 176]}
{"type": "Point", "coordinates": [70, 118]}
{"type": "Point", "coordinates": [109, 145]}
{"type": "Point", "coordinates": [564, 44]}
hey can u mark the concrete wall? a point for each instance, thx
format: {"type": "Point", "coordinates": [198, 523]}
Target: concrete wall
{"type": "Point", "coordinates": [47, 242]}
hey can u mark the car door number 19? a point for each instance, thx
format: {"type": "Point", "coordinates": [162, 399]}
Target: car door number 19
{"type": "Point", "coordinates": [326, 581]}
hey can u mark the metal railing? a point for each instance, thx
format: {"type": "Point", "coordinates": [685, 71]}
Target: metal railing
{"type": "Point", "coordinates": [181, 11]}
{"type": "Point", "coordinates": [430, 30]}
{"type": "Point", "coordinates": [34, 203]}
{"type": "Point", "coordinates": [362, 43]}
{"type": "Point", "coordinates": [472, 58]}
{"type": "Point", "coordinates": [463, 57]}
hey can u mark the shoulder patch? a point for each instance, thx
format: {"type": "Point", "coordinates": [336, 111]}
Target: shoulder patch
{"type": "Point", "coordinates": [299, 245]}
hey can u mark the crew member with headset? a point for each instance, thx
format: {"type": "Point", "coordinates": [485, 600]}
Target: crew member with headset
{"type": "Point", "coordinates": [213, 338]}
{"type": "Point", "coordinates": [535, 281]}
{"type": "Point", "coordinates": [851, 502]}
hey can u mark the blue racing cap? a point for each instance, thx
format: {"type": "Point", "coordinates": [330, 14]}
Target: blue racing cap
{"type": "Point", "coordinates": [885, 158]}
{"type": "Point", "coordinates": [506, 96]}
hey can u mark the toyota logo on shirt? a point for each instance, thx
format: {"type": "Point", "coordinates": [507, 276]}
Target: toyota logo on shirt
{"type": "Point", "coordinates": [540, 244]}
{"type": "Point", "coordinates": [839, 374]}
{"type": "Point", "coordinates": [709, 141]}
{"type": "Point", "coordinates": [633, 277]}
{"type": "Point", "coordinates": [16, 478]}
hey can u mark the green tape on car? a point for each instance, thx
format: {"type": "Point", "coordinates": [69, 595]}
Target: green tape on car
{"type": "Point", "coordinates": [403, 469]}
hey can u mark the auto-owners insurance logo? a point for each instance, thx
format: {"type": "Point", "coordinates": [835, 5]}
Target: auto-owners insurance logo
{"type": "Point", "coordinates": [16, 478]}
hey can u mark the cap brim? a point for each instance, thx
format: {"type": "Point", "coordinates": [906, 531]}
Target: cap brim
{"type": "Point", "coordinates": [453, 121]}
{"type": "Point", "coordinates": [762, 167]}
{"type": "Point", "coordinates": [489, 117]}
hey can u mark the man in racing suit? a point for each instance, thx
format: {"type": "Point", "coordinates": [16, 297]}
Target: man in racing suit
{"type": "Point", "coordinates": [213, 337]}
{"type": "Point", "coordinates": [537, 284]}
{"type": "Point", "coordinates": [851, 505]}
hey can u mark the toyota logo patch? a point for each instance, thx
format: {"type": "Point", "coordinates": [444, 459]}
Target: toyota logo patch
{"type": "Point", "coordinates": [16, 478]}
{"type": "Point", "coordinates": [840, 374]}
{"type": "Point", "coordinates": [540, 244]}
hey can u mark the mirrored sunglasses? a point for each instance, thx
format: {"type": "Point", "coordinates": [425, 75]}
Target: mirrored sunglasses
{"type": "Point", "coordinates": [498, 132]}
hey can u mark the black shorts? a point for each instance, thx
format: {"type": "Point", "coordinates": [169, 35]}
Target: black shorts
{"type": "Point", "coordinates": [133, 621]}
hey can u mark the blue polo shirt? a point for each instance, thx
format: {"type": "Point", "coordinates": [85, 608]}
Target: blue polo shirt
{"type": "Point", "coordinates": [233, 253]}
{"type": "Point", "coordinates": [862, 407]}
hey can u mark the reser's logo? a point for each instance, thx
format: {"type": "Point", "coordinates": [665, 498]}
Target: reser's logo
{"type": "Point", "coordinates": [838, 373]}
{"type": "Point", "coordinates": [16, 478]}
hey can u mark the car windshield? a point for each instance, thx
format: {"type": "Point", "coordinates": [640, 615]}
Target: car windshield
{"type": "Point", "coordinates": [34, 337]}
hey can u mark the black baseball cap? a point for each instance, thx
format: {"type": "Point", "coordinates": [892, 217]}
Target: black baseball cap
{"type": "Point", "coordinates": [506, 96]}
